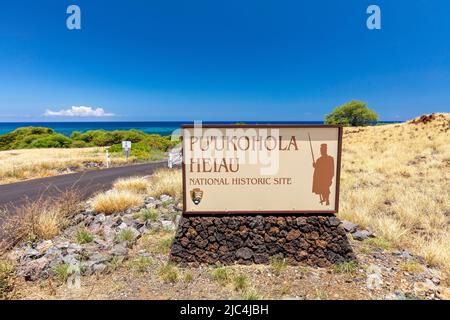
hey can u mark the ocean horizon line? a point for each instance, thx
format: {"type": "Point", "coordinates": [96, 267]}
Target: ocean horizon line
{"type": "Point", "coordinates": [150, 127]}
{"type": "Point", "coordinates": [190, 121]}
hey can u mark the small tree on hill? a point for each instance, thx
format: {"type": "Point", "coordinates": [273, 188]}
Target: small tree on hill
{"type": "Point", "coordinates": [353, 113]}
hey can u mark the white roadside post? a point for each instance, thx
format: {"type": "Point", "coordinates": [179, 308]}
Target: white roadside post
{"type": "Point", "coordinates": [108, 159]}
{"type": "Point", "coordinates": [126, 146]}
{"type": "Point", "coordinates": [169, 164]}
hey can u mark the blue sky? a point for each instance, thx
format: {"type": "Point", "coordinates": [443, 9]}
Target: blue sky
{"type": "Point", "coordinates": [223, 60]}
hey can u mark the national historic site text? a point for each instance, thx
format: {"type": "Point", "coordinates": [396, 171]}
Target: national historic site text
{"type": "Point", "coordinates": [241, 181]}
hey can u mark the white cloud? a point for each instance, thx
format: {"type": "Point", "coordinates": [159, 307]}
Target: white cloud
{"type": "Point", "coordinates": [80, 111]}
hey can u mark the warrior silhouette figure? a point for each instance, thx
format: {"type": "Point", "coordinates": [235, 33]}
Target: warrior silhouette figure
{"type": "Point", "coordinates": [323, 174]}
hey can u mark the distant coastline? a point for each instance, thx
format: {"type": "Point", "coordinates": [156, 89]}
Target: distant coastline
{"type": "Point", "coordinates": [150, 127]}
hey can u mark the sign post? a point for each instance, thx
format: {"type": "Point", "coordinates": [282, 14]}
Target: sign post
{"type": "Point", "coordinates": [255, 192]}
{"type": "Point", "coordinates": [126, 146]}
{"type": "Point", "coordinates": [108, 159]}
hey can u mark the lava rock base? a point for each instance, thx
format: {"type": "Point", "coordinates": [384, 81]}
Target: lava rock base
{"type": "Point", "coordinates": [313, 240]}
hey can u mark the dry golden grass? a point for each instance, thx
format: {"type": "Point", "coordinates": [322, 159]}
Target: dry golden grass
{"type": "Point", "coordinates": [396, 181]}
{"type": "Point", "coordinates": [133, 184]}
{"type": "Point", "coordinates": [116, 201]}
{"type": "Point", "coordinates": [129, 192]}
{"type": "Point", "coordinates": [48, 224]}
{"type": "Point", "coordinates": [17, 165]}
{"type": "Point", "coordinates": [166, 181]}
{"type": "Point", "coordinates": [43, 218]}
{"type": "Point", "coordinates": [6, 278]}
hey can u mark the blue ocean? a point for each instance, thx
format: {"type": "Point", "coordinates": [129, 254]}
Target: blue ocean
{"type": "Point", "coordinates": [162, 128]}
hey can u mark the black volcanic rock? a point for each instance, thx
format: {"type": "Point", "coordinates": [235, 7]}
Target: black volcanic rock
{"type": "Point", "coordinates": [313, 240]}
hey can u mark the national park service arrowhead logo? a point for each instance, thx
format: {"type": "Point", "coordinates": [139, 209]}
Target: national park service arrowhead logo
{"type": "Point", "coordinates": [196, 195]}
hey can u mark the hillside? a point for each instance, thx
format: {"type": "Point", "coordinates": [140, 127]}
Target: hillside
{"type": "Point", "coordinates": [396, 180]}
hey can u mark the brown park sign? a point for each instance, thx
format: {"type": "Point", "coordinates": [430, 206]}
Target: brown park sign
{"type": "Point", "coordinates": [261, 169]}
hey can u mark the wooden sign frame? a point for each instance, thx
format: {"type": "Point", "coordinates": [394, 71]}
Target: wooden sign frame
{"type": "Point", "coordinates": [266, 212]}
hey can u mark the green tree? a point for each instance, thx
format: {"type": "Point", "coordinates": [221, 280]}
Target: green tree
{"type": "Point", "coordinates": [353, 113]}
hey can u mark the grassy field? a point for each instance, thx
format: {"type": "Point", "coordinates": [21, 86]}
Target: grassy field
{"type": "Point", "coordinates": [396, 181]}
{"type": "Point", "coordinates": [17, 165]}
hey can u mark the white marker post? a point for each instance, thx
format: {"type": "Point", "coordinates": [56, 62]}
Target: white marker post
{"type": "Point", "coordinates": [126, 146]}
{"type": "Point", "coordinates": [108, 159]}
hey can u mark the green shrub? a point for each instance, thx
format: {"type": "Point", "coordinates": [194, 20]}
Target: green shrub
{"type": "Point", "coordinates": [115, 263]}
{"type": "Point", "coordinates": [141, 264]}
{"type": "Point", "coordinates": [140, 150]}
{"type": "Point", "coordinates": [75, 135]}
{"type": "Point", "coordinates": [6, 140]}
{"type": "Point", "coordinates": [353, 113]}
{"type": "Point", "coordinates": [145, 146]}
{"type": "Point", "coordinates": [147, 215]}
{"type": "Point", "coordinates": [125, 235]}
{"type": "Point", "coordinates": [80, 144]}
{"type": "Point", "coordinates": [61, 271]}
{"type": "Point", "coordinates": [83, 236]}
{"type": "Point", "coordinates": [251, 294]}
{"type": "Point", "coordinates": [188, 277]}
{"type": "Point", "coordinates": [96, 137]}
{"type": "Point", "coordinates": [349, 267]}
{"type": "Point", "coordinates": [52, 141]}
{"type": "Point", "coordinates": [169, 273]}
{"type": "Point", "coordinates": [129, 135]}
{"type": "Point", "coordinates": [240, 282]}
{"type": "Point", "coordinates": [222, 275]}
{"type": "Point", "coordinates": [164, 245]}
{"type": "Point", "coordinates": [25, 131]}
{"type": "Point", "coordinates": [108, 138]}
{"type": "Point", "coordinates": [88, 136]}
{"type": "Point", "coordinates": [25, 137]}
{"type": "Point", "coordinates": [378, 243]}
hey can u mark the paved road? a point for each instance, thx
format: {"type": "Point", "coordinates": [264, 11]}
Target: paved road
{"type": "Point", "coordinates": [89, 182]}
